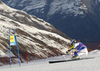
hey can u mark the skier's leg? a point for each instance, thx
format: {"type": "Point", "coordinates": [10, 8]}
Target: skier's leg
{"type": "Point", "coordinates": [75, 55]}
{"type": "Point", "coordinates": [82, 51]}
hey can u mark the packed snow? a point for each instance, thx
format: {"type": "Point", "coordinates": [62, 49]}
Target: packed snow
{"type": "Point", "coordinates": [43, 65]}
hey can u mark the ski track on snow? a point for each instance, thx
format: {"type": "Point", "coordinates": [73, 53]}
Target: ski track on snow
{"type": "Point", "coordinates": [43, 65]}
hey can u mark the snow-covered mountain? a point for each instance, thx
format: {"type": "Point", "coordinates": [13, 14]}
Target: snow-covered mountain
{"type": "Point", "coordinates": [39, 38]}
{"type": "Point", "coordinates": [79, 19]}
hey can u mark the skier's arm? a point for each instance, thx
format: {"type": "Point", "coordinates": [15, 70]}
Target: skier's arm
{"type": "Point", "coordinates": [70, 49]}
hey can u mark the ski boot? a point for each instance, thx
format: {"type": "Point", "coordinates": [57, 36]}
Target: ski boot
{"type": "Point", "coordinates": [75, 57]}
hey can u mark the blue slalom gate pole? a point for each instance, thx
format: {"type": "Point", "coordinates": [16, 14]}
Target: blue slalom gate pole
{"type": "Point", "coordinates": [10, 57]}
{"type": "Point", "coordinates": [9, 47]}
{"type": "Point", "coordinates": [18, 56]}
{"type": "Point", "coordinates": [15, 31]}
{"type": "Point", "coordinates": [17, 49]}
{"type": "Point", "coordinates": [13, 42]}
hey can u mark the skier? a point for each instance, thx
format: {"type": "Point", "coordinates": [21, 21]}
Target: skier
{"type": "Point", "coordinates": [80, 49]}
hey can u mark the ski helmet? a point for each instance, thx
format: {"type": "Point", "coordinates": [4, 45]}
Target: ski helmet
{"type": "Point", "coordinates": [73, 41]}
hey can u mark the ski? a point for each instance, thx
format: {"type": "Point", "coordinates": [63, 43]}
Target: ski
{"type": "Point", "coordinates": [70, 60]}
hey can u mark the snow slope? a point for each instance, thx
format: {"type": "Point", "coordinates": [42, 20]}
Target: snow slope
{"type": "Point", "coordinates": [43, 65]}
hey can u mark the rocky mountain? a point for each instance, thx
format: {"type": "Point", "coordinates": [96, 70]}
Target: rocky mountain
{"type": "Point", "coordinates": [98, 47]}
{"type": "Point", "coordinates": [35, 36]}
{"type": "Point", "coordinates": [79, 19]}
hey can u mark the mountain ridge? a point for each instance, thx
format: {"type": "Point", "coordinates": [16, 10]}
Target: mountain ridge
{"type": "Point", "coordinates": [67, 15]}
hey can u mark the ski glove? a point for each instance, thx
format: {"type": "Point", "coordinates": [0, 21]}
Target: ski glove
{"type": "Point", "coordinates": [68, 51]}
